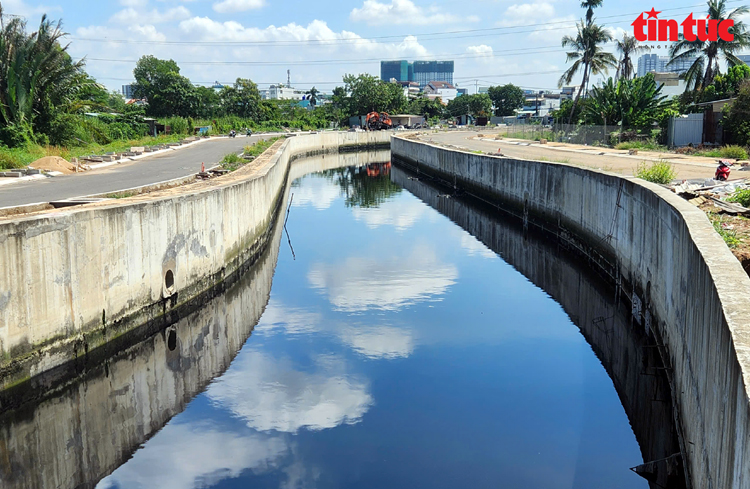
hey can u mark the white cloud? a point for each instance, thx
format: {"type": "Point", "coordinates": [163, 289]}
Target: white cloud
{"type": "Point", "coordinates": [230, 6]}
{"type": "Point", "coordinates": [473, 247]}
{"type": "Point", "coordinates": [269, 394]}
{"type": "Point", "coordinates": [133, 3]}
{"type": "Point", "coordinates": [552, 29]}
{"type": "Point", "coordinates": [387, 283]}
{"type": "Point", "coordinates": [291, 319]}
{"type": "Point", "coordinates": [379, 342]}
{"type": "Point", "coordinates": [401, 215]}
{"type": "Point", "coordinates": [481, 50]}
{"type": "Point", "coordinates": [402, 12]}
{"type": "Point", "coordinates": [316, 192]}
{"type": "Point", "coordinates": [196, 455]}
{"type": "Point", "coordinates": [130, 15]}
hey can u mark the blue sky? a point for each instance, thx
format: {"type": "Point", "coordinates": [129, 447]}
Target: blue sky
{"type": "Point", "coordinates": [321, 41]}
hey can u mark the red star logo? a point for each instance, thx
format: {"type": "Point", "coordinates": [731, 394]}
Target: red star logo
{"type": "Point", "coordinates": [653, 14]}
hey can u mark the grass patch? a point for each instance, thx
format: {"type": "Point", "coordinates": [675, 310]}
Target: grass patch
{"type": "Point", "coordinates": [741, 197]}
{"type": "Point", "coordinates": [648, 145]}
{"type": "Point", "coordinates": [24, 155]}
{"type": "Point", "coordinates": [556, 160]}
{"type": "Point", "coordinates": [733, 152]}
{"type": "Point", "coordinates": [121, 195]}
{"type": "Point", "coordinates": [258, 148]}
{"type": "Point", "coordinates": [232, 162]}
{"type": "Point", "coordinates": [660, 172]}
{"type": "Point", "coordinates": [728, 235]}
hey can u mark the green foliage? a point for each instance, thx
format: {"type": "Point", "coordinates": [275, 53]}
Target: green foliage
{"type": "Point", "coordinates": [475, 105]}
{"type": "Point", "coordinates": [725, 86]}
{"type": "Point", "coordinates": [737, 117]}
{"type": "Point", "coordinates": [648, 145]}
{"type": "Point", "coordinates": [741, 196]}
{"type": "Point", "coordinates": [506, 99]}
{"type": "Point", "coordinates": [368, 93]}
{"type": "Point", "coordinates": [122, 195]}
{"type": "Point", "coordinates": [426, 107]}
{"type": "Point", "coordinates": [241, 100]}
{"type": "Point", "coordinates": [733, 152]}
{"type": "Point", "coordinates": [168, 93]}
{"type": "Point", "coordinates": [728, 235]}
{"type": "Point", "coordinates": [636, 103]}
{"type": "Point", "coordinates": [258, 148]}
{"type": "Point", "coordinates": [660, 172]}
{"type": "Point", "coordinates": [707, 54]}
{"type": "Point", "coordinates": [232, 162]}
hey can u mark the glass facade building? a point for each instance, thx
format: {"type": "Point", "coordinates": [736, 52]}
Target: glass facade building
{"type": "Point", "coordinates": [421, 72]}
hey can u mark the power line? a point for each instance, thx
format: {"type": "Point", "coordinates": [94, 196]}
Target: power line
{"type": "Point", "coordinates": [498, 31]}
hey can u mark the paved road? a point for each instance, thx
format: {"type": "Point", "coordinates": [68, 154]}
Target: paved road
{"type": "Point", "coordinates": [687, 168]}
{"type": "Point", "coordinates": [158, 168]}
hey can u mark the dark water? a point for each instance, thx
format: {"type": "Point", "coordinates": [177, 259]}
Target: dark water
{"type": "Point", "coordinates": [396, 350]}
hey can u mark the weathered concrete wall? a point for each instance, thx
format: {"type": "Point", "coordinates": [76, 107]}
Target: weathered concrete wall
{"type": "Point", "coordinates": [74, 280]}
{"type": "Point", "coordinates": [687, 289]}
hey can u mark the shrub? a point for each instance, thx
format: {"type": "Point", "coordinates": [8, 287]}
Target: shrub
{"type": "Point", "coordinates": [660, 172]}
{"type": "Point", "coordinates": [734, 152]}
{"type": "Point", "coordinates": [741, 196]}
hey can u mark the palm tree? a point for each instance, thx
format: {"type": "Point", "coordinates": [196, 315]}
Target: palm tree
{"type": "Point", "coordinates": [587, 55]}
{"type": "Point", "coordinates": [36, 73]}
{"type": "Point", "coordinates": [628, 47]}
{"type": "Point", "coordinates": [590, 5]}
{"type": "Point", "coordinates": [707, 54]}
{"type": "Point", "coordinates": [313, 96]}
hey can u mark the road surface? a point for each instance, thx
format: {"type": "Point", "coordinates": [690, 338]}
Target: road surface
{"type": "Point", "coordinates": [145, 171]}
{"type": "Point", "coordinates": [613, 161]}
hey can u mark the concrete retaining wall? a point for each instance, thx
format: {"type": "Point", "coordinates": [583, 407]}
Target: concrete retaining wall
{"type": "Point", "coordinates": [74, 280]}
{"type": "Point", "coordinates": [687, 290]}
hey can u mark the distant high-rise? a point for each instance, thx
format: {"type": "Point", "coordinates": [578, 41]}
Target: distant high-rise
{"type": "Point", "coordinates": [660, 64]}
{"type": "Point", "coordinates": [127, 91]}
{"type": "Point", "coordinates": [421, 72]}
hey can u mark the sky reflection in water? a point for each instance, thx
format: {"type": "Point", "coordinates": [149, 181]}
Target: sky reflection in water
{"type": "Point", "coordinates": [396, 351]}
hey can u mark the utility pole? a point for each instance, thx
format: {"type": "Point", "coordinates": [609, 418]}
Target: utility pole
{"type": "Point", "coordinates": [288, 78]}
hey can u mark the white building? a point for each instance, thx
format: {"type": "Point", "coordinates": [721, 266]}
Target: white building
{"type": "Point", "coordinates": [444, 90]}
{"type": "Point", "coordinates": [282, 92]}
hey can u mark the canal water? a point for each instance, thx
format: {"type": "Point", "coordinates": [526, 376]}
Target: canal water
{"type": "Point", "coordinates": [396, 350]}
{"type": "Point", "coordinates": [377, 343]}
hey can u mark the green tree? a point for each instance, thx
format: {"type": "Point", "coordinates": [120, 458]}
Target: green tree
{"type": "Point", "coordinates": [368, 93]}
{"type": "Point", "coordinates": [725, 86]}
{"type": "Point", "coordinates": [506, 99]}
{"type": "Point", "coordinates": [737, 117]}
{"type": "Point", "coordinates": [313, 93]}
{"type": "Point", "coordinates": [37, 77]}
{"type": "Point", "coordinates": [474, 105]}
{"type": "Point", "coordinates": [430, 108]}
{"type": "Point", "coordinates": [707, 54]}
{"type": "Point", "coordinates": [242, 99]}
{"type": "Point", "coordinates": [634, 102]}
{"type": "Point", "coordinates": [168, 93]}
{"type": "Point", "coordinates": [590, 5]}
{"type": "Point", "coordinates": [587, 56]}
{"type": "Point", "coordinates": [208, 103]}
{"type": "Point", "coordinates": [628, 47]}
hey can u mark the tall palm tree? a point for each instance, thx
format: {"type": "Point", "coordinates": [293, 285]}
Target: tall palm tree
{"type": "Point", "coordinates": [313, 96]}
{"type": "Point", "coordinates": [587, 55]}
{"type": "Point", "coordinates": [36, 72]}
{"type": "Point", "coordinates": [628, 47]}
{"type": "Point", "coordinates": [590, 5]}
{"type": "Point", "coordinates": [707, 54]}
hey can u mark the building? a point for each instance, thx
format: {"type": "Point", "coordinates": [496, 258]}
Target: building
{"type": "Point", "coordinates": [670, 83]}
{"type": "Point", "coordinates": [540, 103]}
{"type": "Point", "coordinates": [660, 64]}
{"type": "Point", "coordinates": [128, 92]}
{"type": "Point", "coordinates": [421, 72]}
{"type": "Point", "coordinates": [411, 89]}
{"type": "Point", "coordinates": [444, 90]}
{"type": "Point", "coordinates": [745, 58]}
{"type": "Point", "coordinates": [282, 92]}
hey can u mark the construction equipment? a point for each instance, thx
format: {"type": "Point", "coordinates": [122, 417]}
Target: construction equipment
{"type": "Point", "coordinates": [379, 121]}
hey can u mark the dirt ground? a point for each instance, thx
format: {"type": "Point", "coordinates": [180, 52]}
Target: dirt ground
{"type": "Point", "coordinates": [734, 229]}
{"type": "Point", "coordinates": [53, 163]}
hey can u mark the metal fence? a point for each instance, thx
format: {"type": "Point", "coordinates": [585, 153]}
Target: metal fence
{"type": "Point", "coordinates": [571, 133]}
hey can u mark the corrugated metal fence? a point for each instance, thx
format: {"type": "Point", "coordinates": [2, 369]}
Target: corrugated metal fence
{"type": "Point", "coordinates": [684, 130]}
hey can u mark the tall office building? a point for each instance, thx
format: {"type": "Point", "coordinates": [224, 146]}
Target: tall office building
{"type": "Point", "coordinates": [660, 64]}
{"type": "Point", "coordinates": [421, 72]}
{"type": "Point", "coordinates": [127, 91]}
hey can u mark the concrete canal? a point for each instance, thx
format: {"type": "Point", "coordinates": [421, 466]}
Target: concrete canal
{"type": "Point", "coordinates": [391, 334]}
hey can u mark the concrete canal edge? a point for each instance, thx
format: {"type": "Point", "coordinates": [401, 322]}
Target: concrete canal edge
{"type": "Point", "coordinates": [76, 280]}
{"type": "Point", "coordinates": [686, 288]}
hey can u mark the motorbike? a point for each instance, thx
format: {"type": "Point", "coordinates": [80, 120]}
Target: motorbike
{"type": "Point", "coordinates": [722, 172]}
{"type": "Point", "coordinates": [232, 133]}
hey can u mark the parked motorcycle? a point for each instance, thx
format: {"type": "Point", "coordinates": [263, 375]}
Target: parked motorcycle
{"type": "Point", "coordinates": [722, 172]}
